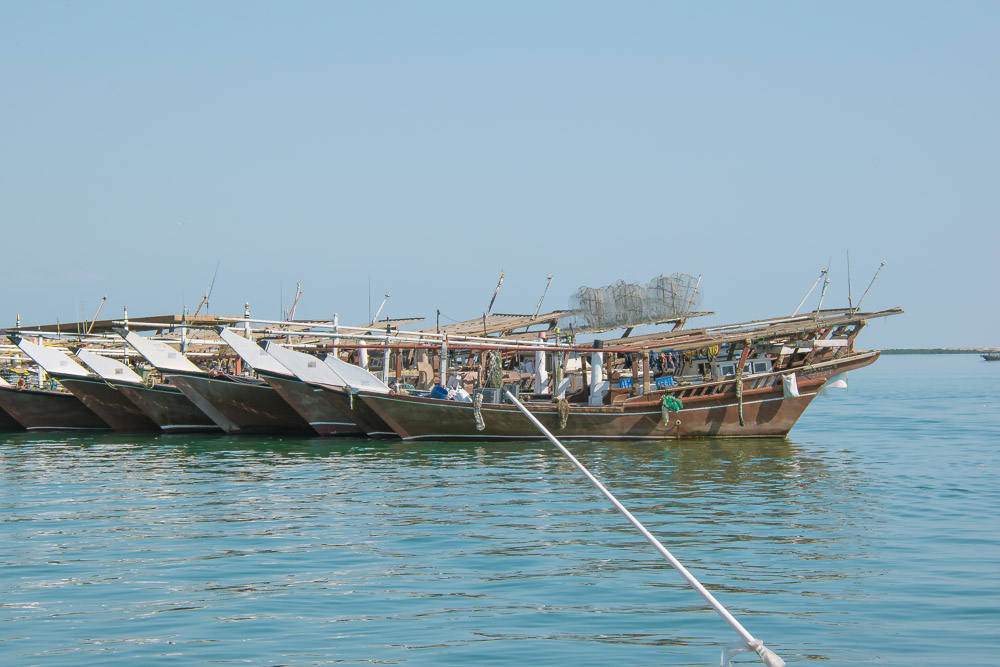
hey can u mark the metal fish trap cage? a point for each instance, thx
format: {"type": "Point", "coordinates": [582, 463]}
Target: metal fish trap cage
{"type": "Point", "coordinates": [672, 296]}
{"type": "Point", "coordinates": [623, 304]}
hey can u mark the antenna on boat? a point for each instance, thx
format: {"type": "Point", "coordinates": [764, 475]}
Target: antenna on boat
{"type": "Point", "coordinates": [495, 292]}
{"type": "Point", "coordinates": [826, 283]}
{"type": "Point", "coordinates": [91, 326]}
{"type": "Point", "coordinates": [822, 273]}
{"type": "Point", "coordinates": [208, 292]}
{"type": "Point", "coordinates": [377, 312]}
{"type": "Point", "coordinates": [124, 344]}
{"type": "Point", "coordinates": [749, 643]}
{"type": "Point", "coordinates": [850, 304]}
{"type": "Point", "coordinates": [539, 306]}
{"type": "Point", "coordinates": [878, 271]}
{"type": "Point", "coordinates": [298, 295]}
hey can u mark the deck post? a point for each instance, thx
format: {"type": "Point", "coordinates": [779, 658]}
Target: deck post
{"type": "Point", "coordinates": [541, 374]}
{"type": "Point", "coordinates": [443, 365]}
{"type": "Point", "coordinates": [596, 366]}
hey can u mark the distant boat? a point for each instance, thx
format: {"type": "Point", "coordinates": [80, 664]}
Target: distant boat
{"type": "Point", "coordinates": [991, 356]}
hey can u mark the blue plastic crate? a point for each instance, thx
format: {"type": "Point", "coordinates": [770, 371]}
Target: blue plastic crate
{"type": "Point", "coordinates": [667, 381]}
{"type": "Point", "coordinates": [625, 383]}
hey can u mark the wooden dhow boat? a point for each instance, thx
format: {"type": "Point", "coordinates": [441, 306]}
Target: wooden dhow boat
{"type": "Point", "coordinates": [102, 398]}
{"type": "Point", "coordinates": [37, 409]}
{"type": "Point", "coordinates": [236, 404]}
{"type": "Point", "coordinates": [752, 379]}
{"type": "Point", "coordinates": [163, 403]}
{"type": "Point", "coordinates": [321, 414]}
{"type": "Point", "coordinates": [336, 382]}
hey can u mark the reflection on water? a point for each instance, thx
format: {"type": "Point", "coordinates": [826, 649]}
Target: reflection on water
{"type": "Point", "coordinates": [307, 551]}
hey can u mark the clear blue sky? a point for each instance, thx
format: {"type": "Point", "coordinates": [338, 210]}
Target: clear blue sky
{"type": "Point", "coordinates": [426, 146]}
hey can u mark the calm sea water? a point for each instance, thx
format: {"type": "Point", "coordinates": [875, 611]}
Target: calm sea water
{"type": "Point", "coordinates": [869, 536]}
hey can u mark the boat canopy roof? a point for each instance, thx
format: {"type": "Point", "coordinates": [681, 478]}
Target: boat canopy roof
{"type": "Point", "coordinates": [52, 361]}
{"type": "Point", "coordinates": [158, 353]}
{"type": "Point", "coordinates": [108, 368]}
{"type": "Point", "coordinates": [253, 354]}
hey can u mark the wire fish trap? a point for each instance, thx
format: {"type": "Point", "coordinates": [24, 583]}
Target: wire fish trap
{"type": "Point", "coordinates": [623, 304]}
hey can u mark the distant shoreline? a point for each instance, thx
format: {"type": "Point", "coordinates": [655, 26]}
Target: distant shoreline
{"type": "Point", "coordinates": [942, 350]}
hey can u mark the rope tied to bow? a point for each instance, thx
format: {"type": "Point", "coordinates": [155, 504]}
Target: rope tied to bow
{"type": "Point", "coordinates": [477, 407]}
{"type": "Point", "coordinates": [562, 407]}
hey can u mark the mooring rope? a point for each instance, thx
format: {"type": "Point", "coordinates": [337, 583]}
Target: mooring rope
{"type": "Point", "coordinates": [562, 407]}
{"type": "Point", "coordinates": [494, 370]}
{"type": "Point", "coordinates": [477, 407]}
{"type": "Point", "coordinates": [739, 393]}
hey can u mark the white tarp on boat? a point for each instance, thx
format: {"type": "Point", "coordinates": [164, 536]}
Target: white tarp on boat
{"type": "Point", "coordinates": [304, 366]}
{"type": "Point", "coordinates": [252, 353]}
{"type": "Point", "coordinates": [4, 383]}
{"type": "Point", "coordinates": [790, 386]}
{"type": "Point", "coordinates": [159, 353]}
{"type": "Point", "coordinates": [331, 371]}
{"type": "Point", "coordinates": [107, 368]}
{"type": "Point", "coordinates": [356, 378]}
{"type": "Point", "coordinates": [52, 361]}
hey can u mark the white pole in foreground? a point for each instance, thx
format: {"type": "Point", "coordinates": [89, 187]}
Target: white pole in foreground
{"type": "Point", "coordinates": [770, 658]}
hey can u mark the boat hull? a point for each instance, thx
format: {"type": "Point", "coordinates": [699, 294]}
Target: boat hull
{"type": "Point", "coordinates": [306, 400]}
{"type": "Point", "coordinates": [241, 407]}
{"type": "Point", "coordinates": [363, 415]}
{"type": "Point", "coordinates": [8, 423]}
{"type": "Point", "coordinates": [168, 407]}
{"type": "Point", "coordinates": [40, 410]}
{"type": "Point", "coordinates": [767, 412]}
{"type": "Point", "coordinates": [109, 404]}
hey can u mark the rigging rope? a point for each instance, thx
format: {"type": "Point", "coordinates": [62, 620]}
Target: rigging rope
{"type": "Point", "coordinates": [562, 407]}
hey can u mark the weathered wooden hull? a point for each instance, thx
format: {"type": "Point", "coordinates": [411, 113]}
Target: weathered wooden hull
{"type": "Point", "coordinates": [166, 405]}
{"type": "Point", "coordinates": [766, 412]}
{"type": "Point", "coordinates": [109, 404]}
{"type": "Point", "coordinates": [8, 423]}
{"type": "Point", "coordinates": [241, 407]}
{"type": "Point", "coordinates": [39, 410]}
{"type": "Point", "coordinates": [363, 415]}
{"type": "Point", "coordinates": [306, 400]}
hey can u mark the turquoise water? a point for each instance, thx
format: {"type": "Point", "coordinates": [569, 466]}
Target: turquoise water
{"type": "Point", "coordinates": [869, 536]}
